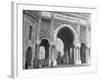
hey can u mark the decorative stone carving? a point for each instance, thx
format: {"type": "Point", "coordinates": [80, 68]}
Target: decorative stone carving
{"type": "Point", "coordinates": [45, 29]}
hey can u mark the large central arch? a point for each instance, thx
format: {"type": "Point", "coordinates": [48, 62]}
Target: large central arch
{"type": "Point", "coordinates": [65, 26]}
{"type": "Point", "coordinates": [68, 36]}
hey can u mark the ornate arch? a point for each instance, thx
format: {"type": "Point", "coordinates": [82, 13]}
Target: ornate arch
{"type": "Point", "coordinates": [46, 39]}
{"type": "Point", "coordinates": [66, 26]}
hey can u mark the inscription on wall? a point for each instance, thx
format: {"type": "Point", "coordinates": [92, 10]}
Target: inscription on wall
{"type": "Point", "coordinates": [67, 18]}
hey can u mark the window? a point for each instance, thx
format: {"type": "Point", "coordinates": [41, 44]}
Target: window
{"type": "Point", "coordinates": [30, 33]}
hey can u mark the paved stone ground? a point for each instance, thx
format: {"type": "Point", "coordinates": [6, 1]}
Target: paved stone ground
{"type": "Point", "coordinates": [69, 65]}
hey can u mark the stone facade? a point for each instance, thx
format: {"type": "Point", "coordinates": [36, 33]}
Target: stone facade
{"type": "Point", "coordinates": [42, 28]}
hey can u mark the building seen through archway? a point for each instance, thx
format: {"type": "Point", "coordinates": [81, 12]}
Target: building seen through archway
{"type": "Point", "coordinates": [55, 39]}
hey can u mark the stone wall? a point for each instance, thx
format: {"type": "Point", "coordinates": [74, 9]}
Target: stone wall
{"type": "Point", "coordinates": [28, 22]}
{"type": "Point", "coordinates": [44, 28]}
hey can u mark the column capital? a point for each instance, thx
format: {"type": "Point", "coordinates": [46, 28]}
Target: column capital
{"type": "Point", "coordinates": [38, 42]}
{"type": "Point", "coordinates": [77, 44]}
{"type": "Point", "coordinates": [88, 45]}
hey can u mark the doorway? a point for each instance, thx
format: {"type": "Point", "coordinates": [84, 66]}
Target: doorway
{"type": "Point", "coordinates": [28, 58]}
{"type": "Point", "coordinates": [45, 45]}
{"type": "Point", "coordinates": [83, 53]}
{"type": "Point", "coordinates": [67, 35]}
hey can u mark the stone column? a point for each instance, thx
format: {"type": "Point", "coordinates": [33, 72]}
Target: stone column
{"type": "Point", "coordinates": [77, 53]}
{"type": "Point", "coordinates": [67, 57]}
{"type": "Point", "coordinates": [87, 54]}
{"type": "Point", "coordinates": [33, 54]}
{"type": "Point", "coordinates": [77, 44]}
{"type": "Point", "coordinates": [51, 38]}
{"type": "Point", "coordinates": [52, 27]}
{"type": "Point", "coordinates": [74, 54]}
{"type": "Point", "coordinates": [87, 41]}
{"type": "Point", "coordinates": [50, 55]}
{"type": "Point", "coordinates": [37, 48]}
{"type": "Point", "coordinates": [38, 35]}
{"type": "Point", "coordinates": [38, 29]}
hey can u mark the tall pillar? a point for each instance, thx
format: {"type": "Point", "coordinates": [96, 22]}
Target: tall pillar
{"type": "Point", "coordinates": [77, 53]}
{"type": "Point", "coordinates": [53, 53]}
{"type": "Point", "coordinates": [87, 41]}
{"type": "Point", "coordinates": [51, 38]}
{"type": "Point", "coordinates": [38, 35]}
{"type": "Point", "coordinates": [38, 29]}
{"type": "Point", "coordinates": [87, 54]}
{"type": "Point", "coordinates": [87, 51]}
{"type": "Point", "coordinates": [77, 44]}
{"type": "Point", "coordinates": [37, 48]}
{"type": "Point", "coordinates": [33, 51]}
{"type": "Point", "coordinates": [50, 54]}
{"type": "Point", "coordinates": [52, 27]}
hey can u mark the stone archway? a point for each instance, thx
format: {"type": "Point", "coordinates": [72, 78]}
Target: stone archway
{"type": "Point", "coordinates": [65, 26]}
{"type": "Point", "coordinates": [68, 36]}
{"type": "Point", "coordinates": [44, 47]}
{"type": "Point", "coordinates": [28, 57]}
{"type": "Point", "coordinates": [83, 52]}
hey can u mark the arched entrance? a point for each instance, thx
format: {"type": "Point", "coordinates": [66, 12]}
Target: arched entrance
{"type": "Point", "coordinates": [28, 57]}
{"type": "Point", "coordinates": [44, 45]}
{"type": "Point", "coordinates": [83, 53]}
{"type": "Point", "coordinates": [68, 36]}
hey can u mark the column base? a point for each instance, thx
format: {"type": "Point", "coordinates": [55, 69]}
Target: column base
{"type": "Point", "coordinates": [78, 62]}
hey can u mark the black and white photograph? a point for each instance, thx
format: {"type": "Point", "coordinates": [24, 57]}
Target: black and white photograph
{"type": "Point", "coordinates": [52, 40]}
{"type": "Point", "coordinates": [55, 39]}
